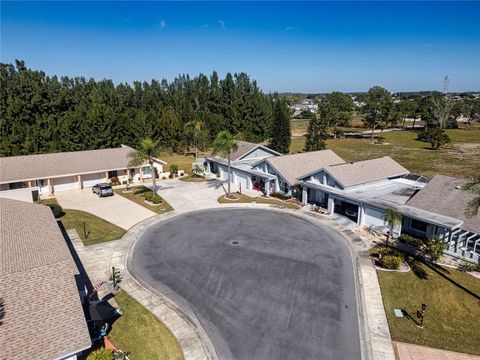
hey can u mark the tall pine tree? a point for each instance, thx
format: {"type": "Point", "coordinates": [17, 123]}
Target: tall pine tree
{"type": "Point", "coordinates": [281, 132]}
{"type": "Point", "coordinates": [316, 134]}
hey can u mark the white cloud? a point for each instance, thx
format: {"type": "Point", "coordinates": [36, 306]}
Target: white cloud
{"type": "Point", "coordinates": [204, 26]}
{"type": "Point", "coordinates": [222, 24]}
{"type": "Point", "coordinates": [289, 28]}
{"type": "Point", "coordinates": [161, 24]}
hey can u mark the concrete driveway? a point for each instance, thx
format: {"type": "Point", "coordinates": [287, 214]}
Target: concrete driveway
{"type": "Point", "coordinates": [188, 196]}
{"type": "Point", "coordinates": [264, 284]}
{"type": "Point", "coordinates": [115, 209]}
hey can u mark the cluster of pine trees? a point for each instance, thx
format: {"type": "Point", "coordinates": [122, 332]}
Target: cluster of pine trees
{"type": "Point", "coordinates": [40, 114]}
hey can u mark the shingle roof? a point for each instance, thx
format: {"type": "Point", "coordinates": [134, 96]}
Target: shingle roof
{"type": "Point", "coordinates": [443, 195]}
{"type": "Point", "coordinates": [361, 172]}
{"type": "Point", "coordinates": [43, 317]}
{"type": "Point", "coordinates": [241, 149]}
{"type": "Point", "coordinates": [30, 167]}
{"type": "Point", "coordinates": [293, 166]}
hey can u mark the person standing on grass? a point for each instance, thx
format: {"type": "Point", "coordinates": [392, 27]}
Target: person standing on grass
{"type": "Point", "coordinates": [421, 315]}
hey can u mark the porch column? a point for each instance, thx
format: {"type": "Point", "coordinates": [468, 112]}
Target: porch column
{"type": "Point", "coordinates": [30, 183]}
{"type": "Point", "coordinates": [331, 205]}
{"type": "Point", "coordinates": [277, 185]}
{"type": "Point", "coordinates": [304, 195]}
{"type": "Point", "coordinates": [267, 187]}
{"type": "Point", "coordinates": [360, 214]}
{"type": "Point", "coordinates": [80, 184]}
{"type": "Point", "coordinates": [50, 186]}
{"type": "Point", "coordinates": [106, 176]}
{"type": "Point", "coordinates": [208, 167]}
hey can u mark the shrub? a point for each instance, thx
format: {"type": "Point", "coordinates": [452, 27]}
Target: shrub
{"type": "Point", "coordinates": [435, 136]}
{"type": "Point", "coordinates": [411, 240]}
{"type": "Point", "coordinates": [174, 168]}
{"type": "Point", "coordinates": [280, 195]}
{"type": "Point", "coordinates": [170, 176]}
{"type": "Point", "coordinates": [466, 266]}
{"type": "Point", "coordinates": [339, 133]}
{"type": "Point", "coordinates": [56, 210]}
{"type": "Point", "coordinates": [379, 140]}
{"type": "Point", "coordinates": [435, 248]}
{"type": "Point", "coordinates": [164, 178]}
{"type": "Point", "coordinates": [181, 174]}
{"type": "Point", "coordinates": [153, 198]}
{"type": "Point", "coordinates": [101, 354]}
{"type": "Point", "coordinates": [391, 262]}
{"type": "Point", "coordinates": [124, 182]}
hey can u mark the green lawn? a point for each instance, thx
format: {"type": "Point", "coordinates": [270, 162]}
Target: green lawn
{"type": "Point", "coordinates": [451, 320]}
{"type": "Point", "coordinates": [137, 196]}
{"type": "Point", "coordinates": [184, 162]}
{"type": "Point", "coordinates": [139, 332]}
{"type": "Point", "coordinates": [193, 179]}
{"type": "Point", "coordinates": [97, 230]}
{"type": "Point", "coordinates": [259, 200]}
{"type": "Point", "coordinates": [460, 158]}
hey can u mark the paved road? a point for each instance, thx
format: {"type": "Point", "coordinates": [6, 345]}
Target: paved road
{"type": "Point", "coordinates": [264, 284]}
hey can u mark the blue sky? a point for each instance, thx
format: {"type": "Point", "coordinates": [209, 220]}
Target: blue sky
{"type": "Point", "coordinates": [285, 46]}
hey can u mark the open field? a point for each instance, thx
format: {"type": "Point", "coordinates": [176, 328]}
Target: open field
{"type": "Point", "coordinates": [139, 332]}
{"type": "Point", "coordinates": [453, 306]}
{"type": "Point", "coordinates": [460, 158]}
{"type": "Point", "coordinates": [137, 196]}
{"type": "Point", "coordinates": [184, 162]}
{"type": "Point", "coordinates": [98, 230]}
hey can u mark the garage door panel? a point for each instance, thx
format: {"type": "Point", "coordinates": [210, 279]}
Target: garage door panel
{"type": "Point", "coordinates": [90, 180]}
{"type": "Point", "coordinates": [64, 183]}
{"type": "Point", "coordinates": [374, 216]}
{"type": "Point", "coordinates": [242, 180]}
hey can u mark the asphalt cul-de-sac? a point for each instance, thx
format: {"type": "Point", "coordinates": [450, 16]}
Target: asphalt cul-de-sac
{"type": "Point", "coordinates": [264, 284]}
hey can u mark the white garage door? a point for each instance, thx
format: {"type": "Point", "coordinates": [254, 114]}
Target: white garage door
{"type": "Point", "coordinates": [373, 217]}
{"type": "Point", "coordinates": [223, 170]}
{"type": "Point", "coordinates": [242, 180]}
{"type": "Point", "coordinates": [64, 183]}
{"type": "Point", "coordinates": [89, 180]}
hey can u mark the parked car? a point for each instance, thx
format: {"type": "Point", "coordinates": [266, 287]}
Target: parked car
{"type": "Point", "coordinates": [351, 212]}
{"type": "Point", "coordinates": [102, 189]}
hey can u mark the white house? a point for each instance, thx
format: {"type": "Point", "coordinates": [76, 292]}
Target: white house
{"type": "Point", "coordinates": [49, 173]}
{"type": "Point", "coordinates": [242, 158]}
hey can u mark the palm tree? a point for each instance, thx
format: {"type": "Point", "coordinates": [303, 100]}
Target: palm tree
{"type": "Point", "coordinates": [148, 152]}
{"type": "Point", "coordinates": [473, 205]}
{"type": "Point", "coordinates": [194, 128]}
{"type": "Point", "coordinates": [223, 145]}
{"type": "Point", "coordinates": [391, 218]}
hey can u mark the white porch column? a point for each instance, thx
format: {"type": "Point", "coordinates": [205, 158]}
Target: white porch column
{"type": "Point", "coordinates": [277, 185]}
{"type": "Point", "coordinates": [360, 214]}
{"type": "Point", "coordinates": [331, 205]}
{"type": "Point", "coordinates": [267, 187]}
{"type": "Point", "coordinates": [304, 195]}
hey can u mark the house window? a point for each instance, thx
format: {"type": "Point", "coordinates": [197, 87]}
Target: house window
{"type": "Point", "coordinates": [418, 225]}
{"type": "Point", "coordinates": [146, 170]}
{"type": "Point", "coordinates": [283, 186]}
{"type": "Point", "coordinates": [112, 174]}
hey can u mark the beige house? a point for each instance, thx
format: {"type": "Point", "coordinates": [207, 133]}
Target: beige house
{"type": "Point", "coordinates": [50, 173]}
{"type": "Point", "coordinates": [42, 314]}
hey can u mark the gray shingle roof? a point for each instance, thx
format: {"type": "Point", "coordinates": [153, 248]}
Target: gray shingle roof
{"type": "Point", "coordinates": [43, 318]}
{"type": "Point", "coordinates": [293, 166]}
{"type": "Point", "coordinates": [361, 172]}
{"type": "Point", "coordinates": [241, 149]}
{"type": "Point", "coordinates": [30, 167]}
{"type": "Point", "coordinates": [443, 195]}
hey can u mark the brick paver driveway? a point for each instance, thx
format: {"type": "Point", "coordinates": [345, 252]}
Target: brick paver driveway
{"type": "Point", "coordinates": [115, 209]}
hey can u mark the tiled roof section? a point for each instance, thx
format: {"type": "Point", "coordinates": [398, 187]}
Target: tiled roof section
{"type": "Point", "coordinates": [361, 172]}
{"type": "Point", "coordinates": [242, 147]}
{"type": "Point", "coordinates": [293, 166]}
{"type": "Point", "coordinates": [443, 195]}
{"type": "Point", "coordinates": [29, 167]}
{"type": "Point", "coordinates": [29, 237]}
{"type": "Point", "coordinates": [43, 317]}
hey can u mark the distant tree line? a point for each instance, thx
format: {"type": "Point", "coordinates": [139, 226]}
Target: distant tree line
{"type": "Point", "coordinates": [40, 113]}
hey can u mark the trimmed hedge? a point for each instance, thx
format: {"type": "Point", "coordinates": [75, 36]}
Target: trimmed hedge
{"type": "Point", "coordinates": [153, 198]}
{"type": "Point", "coordinates": [391, 262]}
{"type": "Point", "coordinates": [101, 354]}
{"type": "Point", "coordinates": [280, 196]}
{"type": "Point", "coordinates": [411, 240]}
{"type": "Point", "coordinates": [56, 210]}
